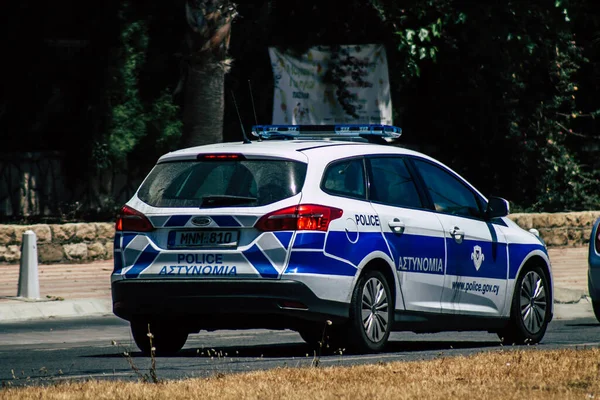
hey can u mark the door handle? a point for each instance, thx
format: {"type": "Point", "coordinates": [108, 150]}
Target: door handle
{"type": "Point", "coordinates": [457, 234]}
{"type": "Point", "coordinates": [397, 226]}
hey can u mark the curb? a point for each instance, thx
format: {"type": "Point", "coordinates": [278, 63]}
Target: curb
{"type": "Point", "coordinates": [581, 309]}
{"type": "Point", "coordinates": [16, 309]}
{"type": "Point", "coordinates": [569, 304]}
{"type": "Point", "coordinates": [568, 296]}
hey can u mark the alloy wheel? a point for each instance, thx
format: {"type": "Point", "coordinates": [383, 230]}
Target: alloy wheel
{"type": "Point", "coordinates": [374, 310]}
{"type": "Point", "coordinates": [533, 302]}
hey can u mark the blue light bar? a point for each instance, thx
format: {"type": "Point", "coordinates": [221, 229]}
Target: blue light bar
{"type": "Point", "coordinates": [267, 132]}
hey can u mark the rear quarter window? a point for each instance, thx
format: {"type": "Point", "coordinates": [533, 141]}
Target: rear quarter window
{"type": "Point", "coordinates": [345, 178]}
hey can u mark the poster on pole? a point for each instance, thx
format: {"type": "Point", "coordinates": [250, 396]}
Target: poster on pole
{"type": "Point", "coordinates": [307, 86]}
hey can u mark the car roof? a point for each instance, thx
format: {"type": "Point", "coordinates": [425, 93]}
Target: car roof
{"type": "Point", "coordinates": [300, 150]}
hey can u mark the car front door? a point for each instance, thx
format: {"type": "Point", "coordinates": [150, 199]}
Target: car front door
{"type": "Point", "coordinates": [477, 264]}
{"type": "Point", "coordinates": [415, 235]}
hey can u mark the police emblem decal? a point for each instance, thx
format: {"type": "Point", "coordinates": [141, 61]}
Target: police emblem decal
{"type": "Point", "coordinates": [477, 257]}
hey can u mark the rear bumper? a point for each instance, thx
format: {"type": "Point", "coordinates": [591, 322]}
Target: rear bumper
{"type": "Point", "coordinates": [224, 304]}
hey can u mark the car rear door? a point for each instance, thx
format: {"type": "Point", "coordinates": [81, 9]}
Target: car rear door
{"type": "Point", "coordinates": [328, 260]}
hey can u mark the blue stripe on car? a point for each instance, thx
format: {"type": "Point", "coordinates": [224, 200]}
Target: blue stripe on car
{"type": "Point", "coordinates": [309, 240]}
{"type": "Point", "coordinates": [144, 260]}
{"type": "Point", "coordinates": [259, 261]}
{"type": "Point", "coordinates": [517, 253]}
{"type": "Point", "coordinates": [117, 241]}
{"type": "Point", "coordinates": [178, 220]}
{"type": "Point", "coordinates": [117, 257]}
{"type": "Point", "coordinates": [284, 238]}
{"type": "Point", "coordinates": [315, 262]}
{"type": "Point", "coordinates": [499, 221]}
{"type": "Point", "coordinates": [225, 220]}
{"type": "Point", "coordinates": [118, 262]}
{"type": "Point", "coordinates": [407, 249]}
{"type": "Point", "coordinates": [127, 238]}
{"type": "Point", "coordinates": [460, 259]}
{"type": "Point", "coordinates": [338, 245]}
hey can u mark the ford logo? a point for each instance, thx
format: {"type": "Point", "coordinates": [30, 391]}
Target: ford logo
{"type": "Point", "coordinates": [201, 221]}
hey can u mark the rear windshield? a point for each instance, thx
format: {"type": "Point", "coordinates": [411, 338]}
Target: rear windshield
{"type": "Point", "coordinates": [222, 183]}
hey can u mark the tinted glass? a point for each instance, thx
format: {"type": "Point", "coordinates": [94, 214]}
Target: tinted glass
{"type": "Point", "coordinates": [345, 178]}
{"type": "Point", "coordinates": [247, 183]}
{"type": "Point", "coordinates": [392, 184]}
{"type": "Point", "coordinates": [448, 193]}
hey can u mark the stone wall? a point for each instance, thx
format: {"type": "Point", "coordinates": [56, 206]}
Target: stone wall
{"type": "Point", "coordinates": [83, 242]}
{"type": "Point", "coordinates": [560, 229]}
{"type": "Point", "coordinates": [61, 243]}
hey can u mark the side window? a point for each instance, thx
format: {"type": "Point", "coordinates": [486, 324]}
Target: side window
{"type": "Point", "coordinates": [392, 184]}
{"type": "Point", "coordinates": [345, 178]}
{"type": "Point", "coordinates": [448, 193]}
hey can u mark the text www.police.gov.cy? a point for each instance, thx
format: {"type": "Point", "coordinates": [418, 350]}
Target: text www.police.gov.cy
{"type": "Point", "coordinates": [474, 286]}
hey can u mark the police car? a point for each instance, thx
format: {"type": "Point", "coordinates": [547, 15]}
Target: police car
{"type": "Point", "coordinates": [594, 268]}
{"type": "Point", "coordinates": [327, 231]}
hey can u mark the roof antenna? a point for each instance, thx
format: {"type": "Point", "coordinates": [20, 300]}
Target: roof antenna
{"type": "Point", "coordinates": [246, 140]}
{"type": "Point", "coordinates": [252, 98]}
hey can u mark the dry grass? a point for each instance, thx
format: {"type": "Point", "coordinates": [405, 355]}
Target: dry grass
{"type": "Point", "coordinates": [511, 374]}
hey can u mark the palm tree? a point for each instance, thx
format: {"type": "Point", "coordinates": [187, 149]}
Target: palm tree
{"type": "Point", "coordinates": [205, 64]}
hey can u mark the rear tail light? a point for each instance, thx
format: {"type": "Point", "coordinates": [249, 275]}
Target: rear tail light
{"type": "Point", "coordinates": [130, 219]}
{"type": "Point", "coordinates": [597, 240]}
{"type": "Point", "coordinates": [304, 217]}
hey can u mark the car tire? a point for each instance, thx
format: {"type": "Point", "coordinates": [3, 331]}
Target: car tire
{"type": "Point", "coordinates": [530, 308]}
{"type": "Point", "coordinates": [166, 339]}
{"type": "Point", "coordinates": [596, 308]}
{"type": "Point", "coordinates": [371, 313]}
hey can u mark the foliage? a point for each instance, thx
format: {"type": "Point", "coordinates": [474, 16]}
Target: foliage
{"type": "Point", "coordinates": [559, 179]}
{"type": "Point", "coordinates": [495, 90]}
{"type": "Point", "coordinates": [505, 93]}
{"type": "Point", "coordinates": [418, 27]}
{"type": "Point", "coordinates": [134, 119]}
{"type": "Point", "coordinates": [493, 85]}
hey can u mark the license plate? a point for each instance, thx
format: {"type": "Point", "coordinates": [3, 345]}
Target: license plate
{"type": "Point", "coordinates": [203, 239]}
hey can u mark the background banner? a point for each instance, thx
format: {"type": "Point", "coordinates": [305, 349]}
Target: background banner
{"type": "Point", "coordinates": [305, 92]}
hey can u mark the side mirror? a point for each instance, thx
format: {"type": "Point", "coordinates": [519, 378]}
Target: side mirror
{"type": "Point", "coordinates": [497, 207]}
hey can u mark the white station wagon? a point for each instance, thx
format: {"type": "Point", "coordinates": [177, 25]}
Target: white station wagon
{"type": "Point", "coordinates": [317, 228]}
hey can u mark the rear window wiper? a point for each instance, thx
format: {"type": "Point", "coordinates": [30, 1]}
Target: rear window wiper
{"type": "Point", "coordinates": [225, 200]}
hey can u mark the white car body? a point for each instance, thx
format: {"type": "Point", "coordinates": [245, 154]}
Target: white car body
{"type": "Point", "coordinates": [445, 271]}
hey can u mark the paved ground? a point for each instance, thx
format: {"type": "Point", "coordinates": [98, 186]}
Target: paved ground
{"type": "Point", "coordinates": [70, 290]}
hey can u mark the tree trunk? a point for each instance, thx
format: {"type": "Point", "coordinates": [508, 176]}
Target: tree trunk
{"type": "Point", "coordinates": [205, 66]}
{"type": "Point", "coordinates": [204, 105]}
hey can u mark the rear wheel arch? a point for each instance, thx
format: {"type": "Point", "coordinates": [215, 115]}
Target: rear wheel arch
{"type": "Point", "coordinates": [381, 265]}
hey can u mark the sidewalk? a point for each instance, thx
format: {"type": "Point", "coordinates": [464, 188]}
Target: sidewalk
{"type": "Point", "coordinates": [72, 290]}
{"type": "Point", "coordinates": [66, 290]}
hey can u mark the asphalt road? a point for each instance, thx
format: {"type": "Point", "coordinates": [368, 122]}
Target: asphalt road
{"type": "Point", "coordinates": [57, 350]}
